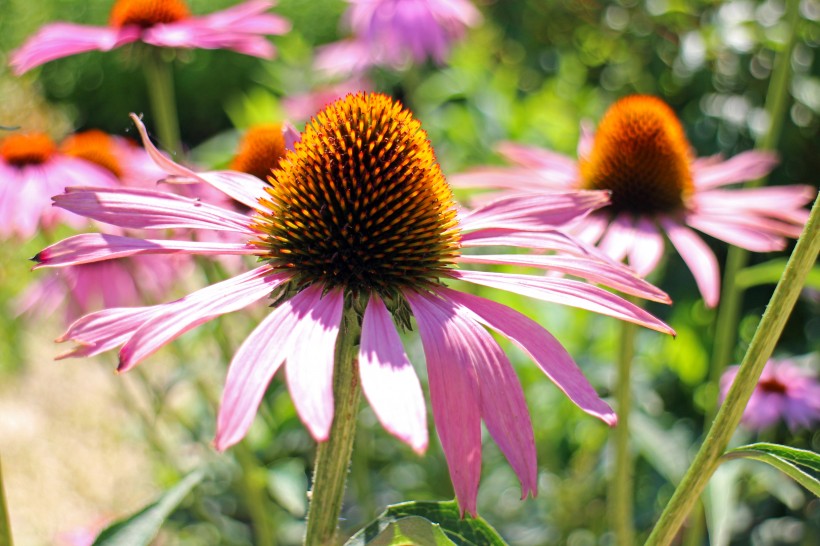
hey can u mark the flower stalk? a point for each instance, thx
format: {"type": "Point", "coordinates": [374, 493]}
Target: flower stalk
{"type": "Point", "coordinates": [159, 78]}
{"type": "Point", "coordinates": [333, 456]}
{"type": "Point", "coordinates": [760, 349]}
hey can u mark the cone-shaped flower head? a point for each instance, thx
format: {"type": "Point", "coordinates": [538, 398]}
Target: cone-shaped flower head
{"type": "Point", "coordinates": [161, 23]}
{"type": "Point", "coordinates": [358, 218]}
{"type": "Point", "coordinates": [262, 147]}
{"type": "Point", "coordinates": [640, 153]}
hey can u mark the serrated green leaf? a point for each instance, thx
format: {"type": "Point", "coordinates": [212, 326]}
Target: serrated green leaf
{"type": "Point", "coordinates": [430, 523]}
{"type": "Point", "coordinates": [140, 528]}
{"type": "Point", "coordinates": [5, 524]}
{"type": "Point", "coordinates": [784, 458]}
{"type": "Point", "coordinates": [770, 272]}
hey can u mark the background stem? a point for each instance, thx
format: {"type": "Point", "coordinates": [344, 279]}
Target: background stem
{"type": "Point", "coordinates": [159, 79]}
{"type": "Point", "coordinates": [760, 349]}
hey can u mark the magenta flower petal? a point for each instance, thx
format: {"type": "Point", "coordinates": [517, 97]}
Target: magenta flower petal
{"type": "Point", "coordinates": [542, 347]}
{"type": "Point", "coordinates": [618, 238]}
{"type": "Point", "coordinates": [540, 240]}
{"type": "Point", "coordinates": [197, 308]}
{"type": "Point", "coordinates": [566, 292]}
{"type": "Point", "coordinates": [454, 394]}
{"type": "Point", "coordinates": [558, 170]}
{"type": "Point", "coordinates": [698, 257]}
{"type": "Point", "coordinates": [92, 247]}
{"type": "Point", "coordinates": [149, 209]}
{"type": "Point", "coordinates": [388, 379]}
{"type": "Point", "coordinates": [105, 330]}
{"type": "Point", "coordinates": [310, 365]}
{"type": "Point", "coordinates": [254, 364]}
{"type": "Point", "coordinates": [58, 40]}
{"type": "Point", "coordinates": [647, 249]}
{"type": "Point", "coordinates": [732, 230]}
{"type": "Point", "coordinates": [745, 166]}
{"type": "Point", "coordinates": [529, 212]}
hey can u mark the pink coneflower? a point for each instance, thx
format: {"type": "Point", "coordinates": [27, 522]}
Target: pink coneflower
{"type": "Point", "coordinates": [32, 169]}
{"type": "Point", "coordinates": [784, 392]}
{"type": "Point", "coordinates": [396, 33]}
{"type": "Point", "coordinates": [640, 154]}
{"type": "Point", "coordinates": [262, 147]}
{"type": "Point", "coordinates": [161, 23]}
{"type": "Point", "coordinates": [358, 218]}
{"type": "Point", "coordinates": [302, 106]}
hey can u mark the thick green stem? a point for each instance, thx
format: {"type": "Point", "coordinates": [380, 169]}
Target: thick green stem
{"type": "Point", "coordinates": [736, 259]}
{"type": "Point", "coordinates": [333, 456]}
{"type": "Point", "coordinates": [159, 78]}
{"type": "Point", "coordinates": [5, 523]}
{"type": "Point", "coordinates": [760, 349]}
{"type": "Point", "coordinates": [621, 487]}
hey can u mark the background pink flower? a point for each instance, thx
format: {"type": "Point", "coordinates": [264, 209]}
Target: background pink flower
{"type": "Point", "coordinates": [161, 23]}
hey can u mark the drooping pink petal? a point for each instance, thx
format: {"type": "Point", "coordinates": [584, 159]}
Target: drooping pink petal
{"type": "Point", "coordinates": [503, 407]}
{"type": "Point", "coordinates": [618, 238]}
{"type": "Point", "coordinates": [733, 231]}
{"type": "Point", "coordinates": [541, 240]}
{"type": "Point", "coordinates": [511, 178]}
{"type": "Point", "coordinates": [58, 40]}
{"type": "Point", "coordinates": [388, 379]}
{"type": "Point", "coordinates": [769, 201]}
{"type": "Point", "coordinates": [554, 169]}
{"type": "Point", "coordinates": [254, 365]}
{"type": "Point", "coordinates": [105, 330]}
{"type": "Point", "coordinates": [647, 249]}
{"type": "Point", "coordinates": [740, 168]}
{"type": "Point", "coordinates": [542, 347]}
{"type": "Point", "coordinates": [607, 273]}
{"type": "Point", "coordinates": [310, 366]}
{"type": "Point", "coordinates": [530, 211]}
{"type": "Point", "coordinates": [148, 209]}
{"type": "Point", "coordinates": [240, 28]}
{"type": "Point", "coordinates": [698, 257]}
{"type": "Point", "coordinates": [566, 292]}
{"type": "Point", "coordinates": [93, 247]}
{"type": "Point", "coordinates": [197, 308]}
{"type": "Point", "coordinates": [454, 395]}
{"type": "Point", "coordinates": [590, 228]}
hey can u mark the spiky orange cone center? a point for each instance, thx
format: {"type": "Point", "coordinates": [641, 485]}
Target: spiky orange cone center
{"type": "Point", "coordinates": [94, 146]}
{"type": "Point", "coordinates": [260, 150]}
{"type": "Point", "coordinates": [147, 13]}
{"type": "Point", "coordinates": [640, 153]}
{"type": "Point", "coordinates": [361, 202]}
{"type": "Point", "coordinates": [27, 149]}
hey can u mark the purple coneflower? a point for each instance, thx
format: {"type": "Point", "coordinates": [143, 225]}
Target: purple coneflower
{"type": "Point", "coordinates": [396, 33]}
{"type": "Point", "coordinates": [359, 218]}
{"type": "Point", "coordinates": [784, 392]}
{"type": "Point", "coordinates": [161, 23]}
{"type": "Point", "coordinates": [640, 153]}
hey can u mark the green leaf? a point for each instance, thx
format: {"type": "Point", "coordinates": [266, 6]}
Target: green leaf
{"type": "Point", "coordinates": [5, 524]}
{"type": "Point", "coordinates": [784, 458]}
{"type": "Point", "coordinates": [426, 524]}
{"type": "Point", "coordinates": [770, 272]}
{"type": "Point", "coordinates": [141, 528]}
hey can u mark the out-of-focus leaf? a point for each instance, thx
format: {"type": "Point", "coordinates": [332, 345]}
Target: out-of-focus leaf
{"type": "Point", "coordinates": [426, 524]}
{"type": "Point", "coordinates": [784, 458]}
{"type": "Point", "coordinates": [5, 525]}
{"type": "Point", "coordinates": [141, 528]}
{"type": "Point", "coordinates": [770, 272]}
{"type": "Point", "coordinates": [720, 503]}
{"type": "Point", "coordinates": [665, 449]}
{"type": "Point", "coordinates": [287, 484]}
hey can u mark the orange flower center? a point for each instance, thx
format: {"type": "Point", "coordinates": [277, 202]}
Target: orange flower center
{"type": "Point", "coordinates": [147, 13]}
{"type": "Point", "coordinates": [260, 150]}
{"type": "Point", "coordinates": [772, 385]}
{"type": "Point", "coordinates": [27, 149]}
{"type": "Point", "coordinates": [641, 155]}
{"type": "Point", "coordinates": [94, 146]}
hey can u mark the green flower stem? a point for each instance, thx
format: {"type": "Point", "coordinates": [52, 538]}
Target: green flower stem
{"type": "Point", "coordinates": [621, 494]}
{"type": "Point", "coordinates": [159, 78]}
{"type": "Point", "coordinates": [5, 523]}
{"type": "Point", "coordinates": [254, 486]}
{"type": "Point", "coordinates": [333, 456]}
{"type": "Point", "coordinates": [760, 349]}
{"type": "Point", "coordinates": [732, 297]}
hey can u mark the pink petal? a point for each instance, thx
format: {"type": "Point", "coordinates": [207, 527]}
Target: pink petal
{"type": "Point", "coordinates": [542, 347]}
{"type": "Point", "coordinates": [454, 394]}
{"type": "Point", "coordinates": [105, 330]}
{"type": "Point", "coordinates": [310, 365]}
{"type": "Point", "coordinates": [388, 379]}
{"type": "Point", "coordinates": [58, 40]}
{"type": "Point", "coordinates": [541, 240]}
{"type": "Point", "coordinates": [609, 274]}
{"type": "Point", "coordinates": [757, 238]}
{"type": "Point", "coordinates": [254, 365]}
{"type": "Point", "coordinates": [619, 238]}
{"type": "Point", "coordinates": [586, 139]}
{"type": "Point", "coordinates": [197, 308]}
{"type": "Point", "coordinates": [533, 211]}
{"type": "Point", "coordinates": [740, 168]}
{"type": "Point", "coordinates": [92, 247]}
{"type": "Point", "coordinates": [148, 209]}
{"type": "Point", "coordinates": [556, 170]}
{"type": "Point", "coordinates": [647, 249]}
{"type": "Point", "coordinates": [590, 228]}
{"type": "Point", "coordinates": [511, 178]}
{"type": "Point", "coordinates": [698, 257]}
{"type": "Point", "coordinates": [566, 292]}
{"type": "Point", "coordinates": [770, 201]}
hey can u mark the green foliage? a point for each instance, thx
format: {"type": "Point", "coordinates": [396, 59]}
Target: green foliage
{"type": "Point", "coordinates": [784, 458]}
